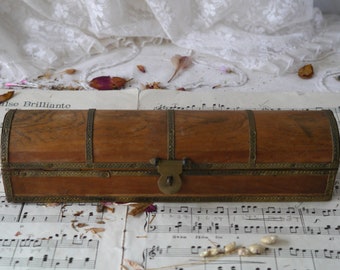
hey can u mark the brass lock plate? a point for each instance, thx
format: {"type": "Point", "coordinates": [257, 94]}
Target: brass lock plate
{"type": "Point", "coordinates": [170, 180]}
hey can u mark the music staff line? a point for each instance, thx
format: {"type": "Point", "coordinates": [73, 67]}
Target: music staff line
{"type": "Point", "coordinates": [76, 242]}
{"type": "Point", "coordinates": [46, 263]}
{"type": "Point", "coordinates": [216, 228]}
{"type": "Point", "coordinates": [291, 252]}
{"type": "Point", "coordinates": [19, 252]}
{"type": "Point", "coordinates": [249, 209]}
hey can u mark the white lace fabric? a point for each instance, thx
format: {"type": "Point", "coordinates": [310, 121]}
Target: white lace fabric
{"type": "Point", "coordinates": [267, 35]}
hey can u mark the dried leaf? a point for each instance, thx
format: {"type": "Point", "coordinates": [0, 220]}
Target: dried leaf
{"type": "Point", "coordinates": [139, 208]}
{"type": "Point", "coordinates": [306, 72]}
{"type": "Point", "coordinates": [78, 213]}
{"type": "Point", "coordinates": [154, 85]}
{"type": "Point", "coordinates": [105, 207]}
{"type": "Point", "coordinates": [47, 75]}
{"type": "Point", "coordinates": [52, 204]}
{"type": "Point", "coordinates": [18, 233]}
{"type": "Point", "coordinates": [73, 225]}
{"type": "Point", "coordinates": [108, 83]}
{"type": "Point", "coordinates": [6, 96]}
{"type": "Point", "coordinates": [123, 267]}
{"type": "Point", "coordinates": [70, 71]}
{"type": "Point", "coordinates": [180, 63]}
{"type": "Point", "coordinates": [141, 68]}
{"type": "Point", "coordinates": [181, 89]}
{"type": "Point", "coordinates": [134, 265]}
{"type": "Point", "coordinates": [81, 225]}
{"type": "Point", "coordinates": [95, 231]}
{"type": "Point", "coordinates": [216, 86]}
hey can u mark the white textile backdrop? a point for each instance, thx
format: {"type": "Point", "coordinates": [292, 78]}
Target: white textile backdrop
{"type": "Point", "coordinates": [267, 35]}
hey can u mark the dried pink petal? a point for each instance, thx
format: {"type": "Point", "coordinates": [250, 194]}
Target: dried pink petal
{"type": "Point", "coordinates": [151, 208]}
{"type": "Point", "coordinates": [108, 83]}
{"type": "Point", "coordinates": [180, 63]}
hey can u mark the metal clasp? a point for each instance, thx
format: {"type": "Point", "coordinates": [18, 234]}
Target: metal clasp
{"type": "Point", "coordinates": [170, 180]}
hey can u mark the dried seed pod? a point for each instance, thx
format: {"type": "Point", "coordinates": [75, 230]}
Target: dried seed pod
{"type": "Point", "coordinates": [229, 247]}
{"type": "Point", "coordinates": [214, 251]}
{"type": "Point", "coordinates": [206, 253]}
{"type": "Point", "coordinates": [243, 251]}
{"type": "Point", "coordinates": [306, 72]}
{"type": "Point", "coordinates": [211, 252]}
{"type": "Point", "coordinates": [256, 249]}
{"type": "Point", "coordinates": [269, 239]}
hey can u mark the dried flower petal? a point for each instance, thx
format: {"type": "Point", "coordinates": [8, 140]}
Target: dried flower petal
{"type": "Point", "coordinates": [6, 96]}
{"type": "Point", "coordinates": [306, 72]}
{"type": "Point", "coordinates": [108, 83]}
{"type": "Point", "coordinates": [151, 208]}
{"type": "Point", "coordinates": [134, 265]}
{"type": "Point", "coordinates": [70, 71]}
{"type": "Point", "coordinates": [139, 208]}
{"type": "Point", "coordinates": [181, 89]}
{"type": "Point", "coordinates": [141, 68]}
{"type": "Point", "coordinates": [180, 63]}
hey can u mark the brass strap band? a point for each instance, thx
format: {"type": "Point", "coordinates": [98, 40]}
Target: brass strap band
{"type": "Point", "coordinates": [109, 173]}
{"type": "Point", "coordinates": [89, 136]}
{"type": "Point", "coordinates": [171, 134]}
{"type": "Point", "coordinates": [335, 136]}
{"type": "Point", "coordinates": [5, 134]}
{"type": "Point", "coordinates": [252, 137]}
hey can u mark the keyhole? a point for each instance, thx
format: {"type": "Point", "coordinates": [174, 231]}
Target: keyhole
{"type": "Point", "coordinates": [170, 180]}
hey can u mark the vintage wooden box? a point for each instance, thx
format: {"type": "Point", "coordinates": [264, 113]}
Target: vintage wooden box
{"type": "Point", "coordinates": [106, 155]}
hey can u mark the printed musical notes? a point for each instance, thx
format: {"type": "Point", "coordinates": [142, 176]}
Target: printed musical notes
{"type": "Point", "coordinates": [52, 252]}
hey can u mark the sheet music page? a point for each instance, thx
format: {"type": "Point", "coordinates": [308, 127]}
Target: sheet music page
{"type": "Point", "coordinates": [91, 236]}
{"type": "Point", "coordinates": [69, 235]}
{"type": "Point", "coordinates": [175, 236]}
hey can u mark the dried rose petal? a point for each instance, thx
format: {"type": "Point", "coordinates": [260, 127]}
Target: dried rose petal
{"type": "Point", "coordinates": [6, 96]}
{"type": "Point", "coordinates": [180, 63]}
{"type": "Point", "coordinates": [108, 83]}
{"type": "Point", "coordinates": [141, 68]}
{"type": "Point", "coordinates": [70, 71]}
{"type": "Point", "coordinates": [306, 72]}
{"type": "Point", "coordinates": [151, 208]}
